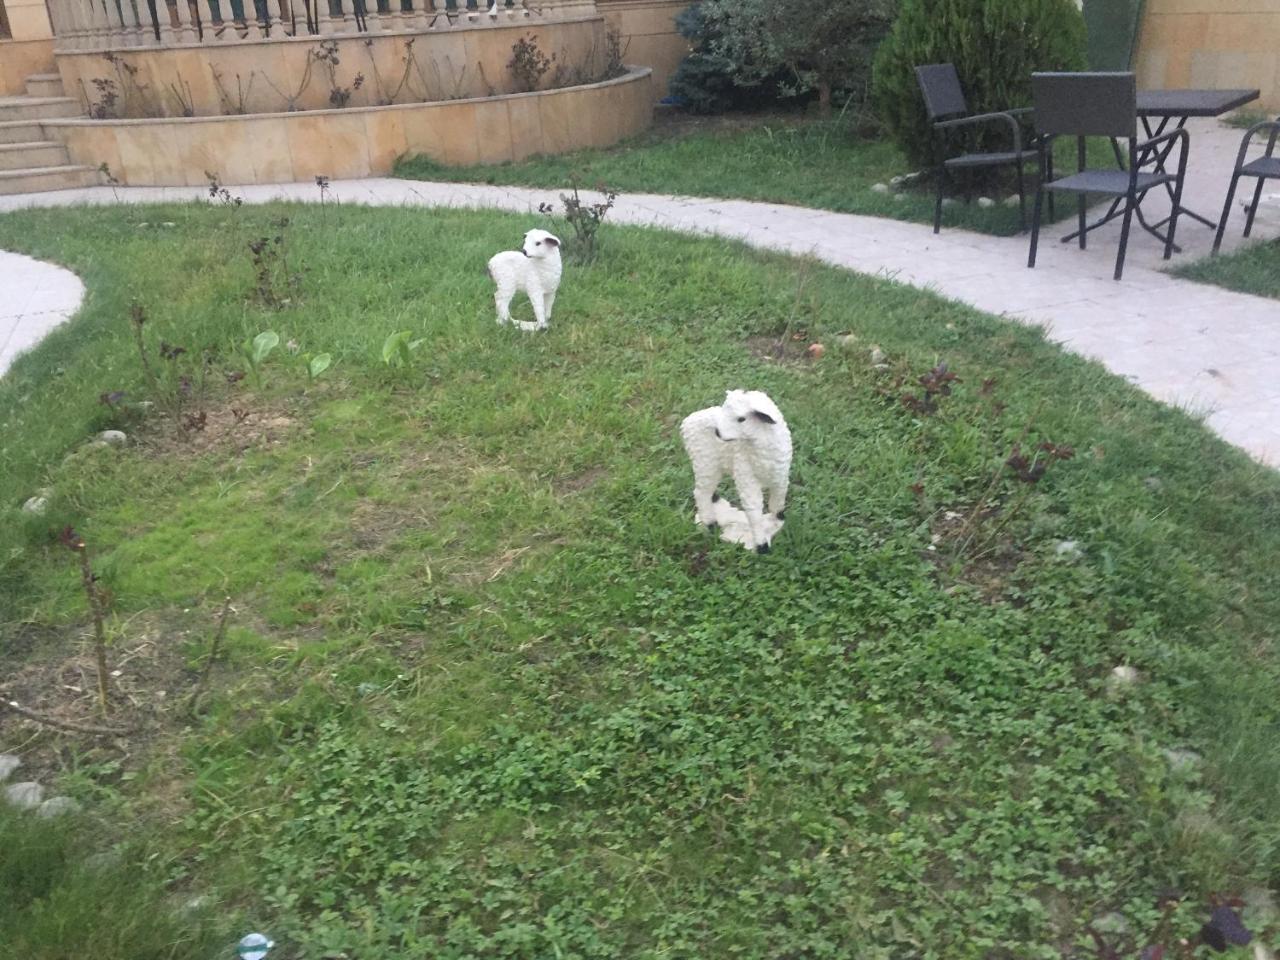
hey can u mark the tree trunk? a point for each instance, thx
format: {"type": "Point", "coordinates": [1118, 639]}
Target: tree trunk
{"type": "Point", "coordinates": [824, 99]}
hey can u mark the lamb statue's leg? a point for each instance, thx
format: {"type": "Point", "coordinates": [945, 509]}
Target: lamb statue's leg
{"type": "Point", "coordinates": [705, 496]}
{"type": "Point", "coordinates": [539, 310]}
{"type": "Point", "coordinates": [548, 301]}
{"type": "Point", "coordinates": [778, 500]}
{"type": "Point", "coordinates": [753, 506]}
{"type": "Point", "coordinates": [502, 300]}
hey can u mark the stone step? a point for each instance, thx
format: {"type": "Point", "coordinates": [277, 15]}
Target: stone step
{"type": "Point", "coordinates": [20, 131]}
{"type": "Point", "coordinates": [36, 108]}
{"type": "Point", "coordinates": [45, 85]}
{"type": "Point", "coordinates": [38, 179]}
{"type": "Point", "coordinates": [25, 156]}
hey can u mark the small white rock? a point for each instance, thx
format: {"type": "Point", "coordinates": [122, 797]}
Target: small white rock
{"type": "Point", "coordinates": [24, 796]}
{"type": "Point", "coordinates": [56, 807]}
{"type": "Point", "coordinates": [168, 223]}
{"type": "Point", "coordinates": [847, 340]}
{"type": "Point", "coordinates": [986, 202]}
{"type": "Point", "coordinates": [899, 196]}
{"type": "Point", "coordinates": [36, 505]}
{"type": "Point", "coordinates": [1111, 923]}
{"type": "Point", "coordinates": [1182, 761]}
{"type": "Point", "coordinates": [880, 188]}
{"type": "Point", "coordinates": [877, 355]}
{"type": "Point", "coordinates": [897, 181]}
{"type": "Point", "coordinates": [112, 436]}
{"type": "Point", "coordinates": [1011, 200]}
{"type": "Point", "coordinates": [1068, 550]}
{"type": "Point", "coordinates": [1122, 678]}
{"type": "Point", "coordinates": [948, 202]}
{"type": "Point", "coordinates": [8, 764]}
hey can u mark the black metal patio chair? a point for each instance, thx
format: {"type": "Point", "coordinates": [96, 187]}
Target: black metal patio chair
{"type": "Point", "coordinates": [1084, 105]}
{"type": "Point", "coordinates": [948, 111]}
{"type": "Point", "coordinates": [1265, 167]}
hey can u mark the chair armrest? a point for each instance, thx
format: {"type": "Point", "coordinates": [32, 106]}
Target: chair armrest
{"type": "Point", "coordinates": [1178, 134]}
{"type": "Point", "coordinates": [1272, 125]}
{"type": "Point", "coordinates": [1005, 117]}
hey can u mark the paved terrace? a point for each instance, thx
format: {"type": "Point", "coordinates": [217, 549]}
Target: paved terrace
{"type": "Point", "coordinates": [1208, 350]}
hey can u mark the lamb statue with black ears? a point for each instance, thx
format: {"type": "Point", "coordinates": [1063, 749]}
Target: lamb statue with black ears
{"type": "Point", "coordinates": [745, 437]}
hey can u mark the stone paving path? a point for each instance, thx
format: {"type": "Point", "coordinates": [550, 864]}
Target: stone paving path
{"type": "Point", "coordinates": [1209, 350]}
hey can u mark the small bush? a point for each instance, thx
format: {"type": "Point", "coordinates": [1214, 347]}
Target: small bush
{"type": "Point", "coordinates": [703, 82]}
{"type": "Point", "coordinates": [995, 44]}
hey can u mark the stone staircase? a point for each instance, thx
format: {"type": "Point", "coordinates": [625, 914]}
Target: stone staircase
{"type": "Point", "coordinates": [30, 161]}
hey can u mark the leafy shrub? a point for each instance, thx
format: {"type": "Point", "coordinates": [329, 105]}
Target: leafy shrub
{"type": "Point", "coordinates": [995, 45]}
{"type": "Point", "coordinates": [704, 80]}
{"type": "Point", "coordinates": [827, 55]}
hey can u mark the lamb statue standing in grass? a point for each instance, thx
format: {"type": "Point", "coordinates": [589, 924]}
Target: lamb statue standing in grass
{"type": "Point", "coordinates": [747, 438]}
{"type": "Point", "coordinates": [535, 270]}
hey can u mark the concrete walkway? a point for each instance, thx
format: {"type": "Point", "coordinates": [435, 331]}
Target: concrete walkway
{"type": "Point", "coordinates": [35, 298]}
{"type": "Point", "coordinates": [1208, 350]}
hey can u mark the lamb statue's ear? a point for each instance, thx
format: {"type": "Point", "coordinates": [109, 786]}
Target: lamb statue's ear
{"type": "Point", "coordinates": [553, 241]}
{"type": "Point", "coordinates": [763, 416]}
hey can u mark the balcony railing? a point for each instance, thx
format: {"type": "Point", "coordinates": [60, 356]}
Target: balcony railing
{"type": "Point", "coordinates": [122, 24]}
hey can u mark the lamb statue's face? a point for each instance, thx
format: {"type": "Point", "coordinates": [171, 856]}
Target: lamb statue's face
{"type": "Point", "coordinates": [739, 418]}
{"type": "Point", "coordinates": [539, 244]}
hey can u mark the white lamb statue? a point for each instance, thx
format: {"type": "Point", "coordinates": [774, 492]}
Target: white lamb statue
{"type": "Point", "coordinates": [535, 269]}
{"type": "Point", "coordinates": [746, 437]}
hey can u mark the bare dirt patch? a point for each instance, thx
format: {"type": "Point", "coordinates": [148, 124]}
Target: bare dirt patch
{"type": "Point", "coordinates": [795, 349]}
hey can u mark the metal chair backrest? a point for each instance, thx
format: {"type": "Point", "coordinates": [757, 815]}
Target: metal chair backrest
{"type": "Point", "coordinates": [1085, 104]}
{"type": "Point", "coordinates": [943, 96]}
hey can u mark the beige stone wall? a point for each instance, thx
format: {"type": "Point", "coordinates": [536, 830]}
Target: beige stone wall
{"type": "Point", "coordinates": [1212, 43]}
{"type": "Point", "coordinates": [291, 147]}
{"type": "Point", "coordinates": [28, 20]}
{"type": "Point", "coordinates": [649, 31]}
{"type": "Point", "coordinates": [267, 74]}
{"type": "Point", "coordinates": [21, 58]}
{"type": "Point", "coordinates": [29, 47]}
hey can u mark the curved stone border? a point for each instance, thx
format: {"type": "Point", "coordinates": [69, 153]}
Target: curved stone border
{"type": "Point", "coordinates": [360, 141]}
{"type": "Point", "coordinates": [1188, 344]}
{"type": "Point", "coordinates": [38, 297]}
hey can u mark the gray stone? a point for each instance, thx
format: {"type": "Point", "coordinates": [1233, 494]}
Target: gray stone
{"type": "Point", "coordinates": [56, 807]}
{"type": "Point", "coordinates": [880, 188]}
{"type": "Point", "coordinates": [986, 202]}
{"type": "Point", "coordinates": [8, 764]}
{"type": "Point", "coordinates": [1011, 200]}
{"type": "Point", "coordinates": [877, 356]}
{"type": "Point", "coordinates": [36, 505]}
{"type": "Point", "coordinates": [24, 796]}
{"type": "Point", "coordinates": [899, 196]}
{"type": "Point", "coordinates": [949, 202]}
{"type": "Point", "coordinates": [847, 340]}
{"type": "Point", "coordinates": [112, 436]}
{"type": "Point", "coordinates": [1154, 484]}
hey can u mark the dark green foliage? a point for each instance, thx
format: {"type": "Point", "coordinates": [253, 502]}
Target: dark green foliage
{"type": "Point", "coordinates": [995, 44]}
{"type": "Point", "coordinates": [704, 81]}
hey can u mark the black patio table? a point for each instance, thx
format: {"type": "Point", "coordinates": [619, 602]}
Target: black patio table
{"type": "Point", "coordinates": [1166, 106]}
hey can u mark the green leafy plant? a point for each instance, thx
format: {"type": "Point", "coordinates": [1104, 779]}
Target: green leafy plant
{"type": "Point", "coordinates": [316, 365]}
{"type": "Point", "coordinates": [398, 348]}
{"type": "Point", "coordinates": [995, 46]}
{"type": "Point", "coordinates": [584, 218]}
{"type": "Point", "coordinates": [256, 351]}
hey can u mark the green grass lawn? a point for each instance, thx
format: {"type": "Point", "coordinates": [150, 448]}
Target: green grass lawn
{"type": "Point", "coordinates": [486, 691]}
{"type": "Point", "coordinates": [779, 159]}
{"type": "Point", "coordinates": [1252, 269]}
